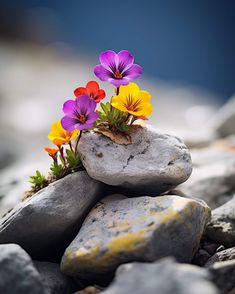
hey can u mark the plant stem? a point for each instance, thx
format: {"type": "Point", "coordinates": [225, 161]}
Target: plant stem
{"type": "Point", "coordinates": [117, 91]}
{"type": "Point", "coordinates": [70, 145]}
{"type": "Point", "coordinates": [76, 146]}
{"type": "Point", "coordinates": [62, 156]}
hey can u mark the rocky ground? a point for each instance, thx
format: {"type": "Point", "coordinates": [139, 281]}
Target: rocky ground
{"type": "Point", "coordinates": [157, 216]}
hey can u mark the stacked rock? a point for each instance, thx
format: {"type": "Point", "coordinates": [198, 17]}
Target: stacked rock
{"type": "Point", "coordinates": [118, 210]}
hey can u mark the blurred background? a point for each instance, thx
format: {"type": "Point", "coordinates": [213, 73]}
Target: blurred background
{"type": "Point", "coordinates": [48, 48]}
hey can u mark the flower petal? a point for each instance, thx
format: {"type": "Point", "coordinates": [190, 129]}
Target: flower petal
{"type": "Point", "coordinates": [92, 117]}
{"type": "Point", "coordinates": [102, 73]}
{"type": "Point", "coordinates": [100, 95]}
{"type": "Point", "coordinates": [108, 60]}
{"type": "Point", "coordinates": [119, 82]}
{"type": "Point", "coordinates": [80, 91]}
{"type": "Point", "coordinates": [68, 123]}
{"type": "Point", "coordinates": [69, 107]}
{"type": "Point", "coordinates": [85, 105]}
{"type": "Point", "coordinates": [132, 90]}
{"type": "Point", "coordinates": [133, 72]}
{"type": "Point", "coordinates": [125, 60]}
{"type": "Point", "coordinates": [92, 87]}
{"type": "Point", "coordinates": [144, 96]}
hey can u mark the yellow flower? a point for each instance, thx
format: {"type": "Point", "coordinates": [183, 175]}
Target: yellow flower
{"type": "Point", "coordinates": [59, 136]}
{"type": "Point", "coordinates": [133, 100]}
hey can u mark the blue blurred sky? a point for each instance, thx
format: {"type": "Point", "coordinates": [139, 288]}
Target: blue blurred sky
{"type": "Point", "coordinates": [191, 42]}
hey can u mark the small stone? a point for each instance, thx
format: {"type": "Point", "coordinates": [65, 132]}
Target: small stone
{"type": "Point", "coordinates": [224, 275]}
{"type": "Point", "coordinates": [165, 277]}
{"type": "Point", "coordinates": [221, 228]}
{"type": "Point", "coordinates": [225, 255]}
{"type": "Point", "coordinates": [89, 290]}
{"type": "Point", "coordinates": [53, 280]}
{"type": "Point", "coordinates": [120, 230]}
{"type": "Point", "coordinates": [152, 164]}
{"type": "Point", "coordinates": [17, 272]}
{"type": "Point", "coordinates": [46, 222]}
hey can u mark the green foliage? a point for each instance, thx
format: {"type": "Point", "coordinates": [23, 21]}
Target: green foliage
{"type": "Point", "coordinates": [57, 170]}
{"type": "Point", "coordinates": [115, 119]}
{"type": "Point", "coordinates": [38, 181]}
{"type": "Point", "coordinates": [72, 158]}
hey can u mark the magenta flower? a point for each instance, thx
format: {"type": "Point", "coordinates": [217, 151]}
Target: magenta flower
{"type": "Point", "coordinates": [117, 68]}
{"type": "Point", "coordinates": [79, 114]}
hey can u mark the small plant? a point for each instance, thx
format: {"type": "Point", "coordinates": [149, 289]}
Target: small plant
{"type": "Point", "coordinates": [38, 181]}
{"type": "Point", "coordinates": [115, 119]}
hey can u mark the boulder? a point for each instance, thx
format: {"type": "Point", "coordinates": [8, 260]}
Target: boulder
{"type": "Point", "coordinates": [224, 255]}
{"type": "Point", "coordinates": [221, 228]}
{"type": "Point", "coordinates": [53, 280]}
{"type": "Point", "coordinates": [165, 277]}
{"type": "Point", "coordinates": [47, 222]}
{"type": "Point", "coordinates": [152, 164]}
{"type": "Point", "coordinates": [224, 121]}
{"type": "Point", "coordinates": [17, 272]}
{"type": "Point", "coordinates": [214, 183]}
{"type": "Point", "coordinates": [223, 275]}
{"type": "Point", "coordinates": [120, 229]}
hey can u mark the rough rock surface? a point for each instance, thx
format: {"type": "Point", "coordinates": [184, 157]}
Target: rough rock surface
{"type": "Point", "coordinates": [152, 164]}
{"type": "Point", "coordinates": [221, 228]}
{"type": "Point", "coordinates": [53, 280]}
{"type": "Point", "coordinates": [224, 255]}
{"type": "Point", "coordinates": [17, 272]}
{"type": "Point", "coordinates": [45, 222]}
{"type": "Point", "coordinates": [120, 230]}
{"type": "Point", "coordinates": [224, 275]}
{"type": "Point", "coordinates": [211, 182]}
{"type": "Point", "coordinates": [165, 277]}
{"type": "Point", "coordinates": [224, 120]}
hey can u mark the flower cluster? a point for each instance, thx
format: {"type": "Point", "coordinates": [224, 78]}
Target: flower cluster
{"type": "Point", "coordinates": [113, 119]}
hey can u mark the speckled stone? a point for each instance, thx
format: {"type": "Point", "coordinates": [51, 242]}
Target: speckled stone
{"type": "Point", "coordinates": [44, 223]}
{"type": "Point", "coordinates": [221, 228]}
{"type": "Point", "coordinates": [152, 164]}
{"type": "Point", "coordinates": [162, 277]}
{"type": "Point", "coordinates": [120, 230]}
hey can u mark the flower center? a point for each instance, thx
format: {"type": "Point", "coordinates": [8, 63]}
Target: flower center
{"type": "Point", "coordinates": [82, 118]}
{"type": "Point", "coordinates": [117, 74]}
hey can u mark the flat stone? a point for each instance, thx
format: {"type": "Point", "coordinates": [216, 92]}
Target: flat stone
{"type": "Point", "coordinates": [120, 230]}
{"type": "Point", "coordinates": [221, 228]}
{"type": "Point", "coordinates": [53, 280]}
{"type": "Point", "coordinates": [224, 255]}
{"type": "Point", "coordinates": [17, 272]}
{"type": "Point", "coordinates": [49, 220]}
{"type": "Point", "coordinates": [152, 164]}
{"type": "Point", "coordinates": [165, 277]}
{"type": "Point", "coordinates": [223, 275]}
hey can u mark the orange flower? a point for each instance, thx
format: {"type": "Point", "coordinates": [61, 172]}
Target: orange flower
{"type": "Point", "coordinates": [51, 151]}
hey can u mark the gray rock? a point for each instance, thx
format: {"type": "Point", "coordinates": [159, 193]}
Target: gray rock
{"type": "Point", "coordinates": [212, 182]}
{"type": "Point", "coordinates": [224, 255]}
{"type": "Point", "coordinates": [221, 228]}
{"type": "Point", "coordinates": [17, 273]}
{"type": "Point", "coordinates": [164, 277]}
{"type": "Point", "coordinates": [120, 230]}
{"type": "Point", "coordinates": [224, 121]}
{"type": "Point", "coordinates": [152, 164]}
{"type": "Point", "coordinates": [48, 220]}
{"type": "Point", "coordinates": [224, 275]}
{"type": "Point", "coordinates": [53, 280]}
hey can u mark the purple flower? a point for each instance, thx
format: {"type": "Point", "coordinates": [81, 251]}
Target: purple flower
{"type": "Point", "coordinates": [117, 68]}
{"type": "Point", "coordinates": [79, 114]}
